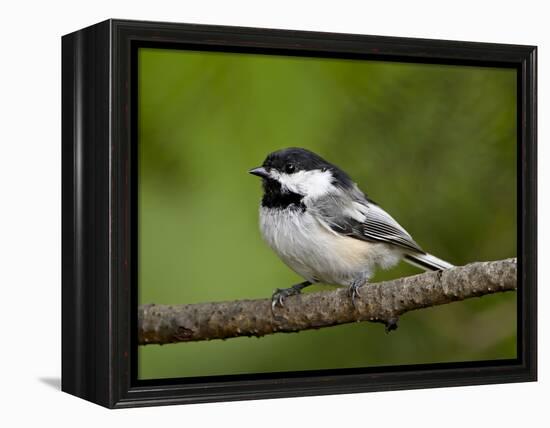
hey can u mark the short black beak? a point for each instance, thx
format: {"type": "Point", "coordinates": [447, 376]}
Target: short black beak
{"type": "Point", "coordinates": [260, 172]}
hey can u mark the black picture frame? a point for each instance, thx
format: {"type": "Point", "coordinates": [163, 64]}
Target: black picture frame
{"type": "Point", "coordinates": [99, 300]}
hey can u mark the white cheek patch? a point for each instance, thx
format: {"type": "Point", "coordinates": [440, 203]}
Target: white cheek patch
{"type": "Point", "coordinates": [312, 184]}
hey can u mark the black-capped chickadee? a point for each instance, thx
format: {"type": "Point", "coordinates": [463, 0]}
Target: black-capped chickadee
{"type": "Point", "coordinates": [327, 230]}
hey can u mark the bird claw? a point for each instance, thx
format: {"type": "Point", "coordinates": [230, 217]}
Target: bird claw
{"type": "Point", "coordinates": [277, 298]}
{"type": "Point", "coordinates": [280, 294]}
{"type": "Point", "coordinates": [353, 291]}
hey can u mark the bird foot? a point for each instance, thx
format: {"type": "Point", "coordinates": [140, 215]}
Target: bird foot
{"type": "Point", "coordinates": [280, 294]}
{"type": "Point", "coordinates": [353, 291]}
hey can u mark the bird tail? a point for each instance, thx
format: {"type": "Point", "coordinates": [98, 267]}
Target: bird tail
{"type": "Point", "coordinates": [427, 262]}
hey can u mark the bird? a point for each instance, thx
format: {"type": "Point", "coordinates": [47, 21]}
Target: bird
{"type": "Point", "coordinates": [324, 228]}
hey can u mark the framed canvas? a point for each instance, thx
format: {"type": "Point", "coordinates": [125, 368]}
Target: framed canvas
{"type": "Point", "coordinates": [207, 169]}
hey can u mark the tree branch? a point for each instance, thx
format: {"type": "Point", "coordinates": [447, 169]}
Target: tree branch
{"type": "Point", "coordinates": [379, 302]}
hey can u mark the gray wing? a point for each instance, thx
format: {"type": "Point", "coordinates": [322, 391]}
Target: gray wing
{"type": "Point", "coordinates": [355, 216]}
{"type": "Point", "coordinates": [380, 226]}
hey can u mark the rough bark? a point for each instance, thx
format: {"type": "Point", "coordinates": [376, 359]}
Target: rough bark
{"type": "Point", "coordinates": [379, 302]}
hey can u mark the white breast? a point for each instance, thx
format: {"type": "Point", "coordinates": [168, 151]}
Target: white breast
{"type": "Point", "coordinates": [317, 253]}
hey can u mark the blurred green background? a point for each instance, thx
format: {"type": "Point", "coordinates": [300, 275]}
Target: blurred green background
{"type": "Point", "coordinates": [434, 145]}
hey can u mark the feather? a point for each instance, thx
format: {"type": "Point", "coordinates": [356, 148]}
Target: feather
{"type": "Point", "coordinates": [427, 262]}
{"type": "Point", "coordinates": [352, 214]}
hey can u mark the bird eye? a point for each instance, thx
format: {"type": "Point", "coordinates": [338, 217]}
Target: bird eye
{"type": "Point", "coordinates": [289, 168]}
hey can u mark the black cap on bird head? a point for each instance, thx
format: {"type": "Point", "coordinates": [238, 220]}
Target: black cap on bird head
{"type": "Point", "coordinates": [295, 159]}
